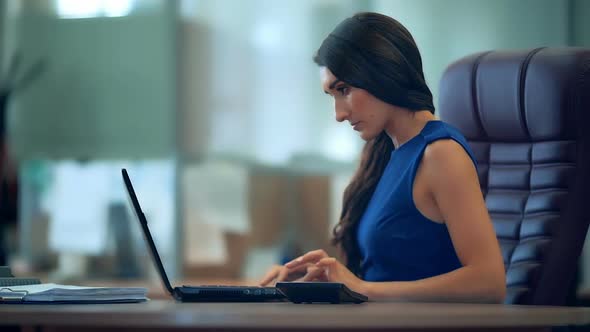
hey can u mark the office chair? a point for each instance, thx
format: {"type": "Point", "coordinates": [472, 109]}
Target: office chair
{"type": "Point", "coordinates": [526, 116]}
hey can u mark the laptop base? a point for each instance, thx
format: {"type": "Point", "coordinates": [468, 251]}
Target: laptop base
{"type": "Point", "coordinates": [228, 294]}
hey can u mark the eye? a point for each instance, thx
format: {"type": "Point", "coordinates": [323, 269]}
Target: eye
{"type": "Point", "coordinates": [344, 90]}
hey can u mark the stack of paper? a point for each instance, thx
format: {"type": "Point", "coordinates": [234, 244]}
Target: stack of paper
{"type": "Point", "coordinates": [54, 293]}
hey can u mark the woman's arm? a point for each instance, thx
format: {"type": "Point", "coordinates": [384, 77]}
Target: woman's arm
{"type": "Point", "coordinates": [452, 179]}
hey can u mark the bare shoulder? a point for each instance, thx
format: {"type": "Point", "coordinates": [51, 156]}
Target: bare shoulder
{"type": "Point", "coordinates": [446, 163]}
{"type": "Point", "coordinates": [446, 155]}
{"type": "Point", "coordinates": [450, 175]}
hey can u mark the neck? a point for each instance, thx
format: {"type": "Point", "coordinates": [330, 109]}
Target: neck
{"type": "Point", "coordinates": [407, 125]}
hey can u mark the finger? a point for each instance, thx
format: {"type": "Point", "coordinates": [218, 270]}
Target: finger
{"type": "Point", "coordinates": [321, 277]}
{"type": "Point", "coordinates": [270, 276]}
{"type": "Point", "coordinates": [295, 274]}
{"type": "Point", "coordinates": [310, 257]}
{"type": "Point", "coordinates": [314, 273]}
{"type": "Point", "coordinates": [299, 268]}
{"type": "Point", "coordinates": [288, 273]}
{"type": "Point", "coordinates": [283, 274]}
{"type": "Point", "coordinates": [296, 262]}
{"type": "Point", "coordinates": [326, 262]}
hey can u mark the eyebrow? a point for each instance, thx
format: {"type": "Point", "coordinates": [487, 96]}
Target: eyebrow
{"type": "Point", "coordinates": [332, 85]}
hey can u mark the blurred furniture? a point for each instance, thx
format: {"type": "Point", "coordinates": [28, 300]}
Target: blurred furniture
{"type": "Point", "coordinates": [526, 115]}
{"type": "Point", "coordinates": [242, 218]}
{"type": "Point", "coordinates": [160, 315]}
{"type": "Point", "coordinates": [13, 81]}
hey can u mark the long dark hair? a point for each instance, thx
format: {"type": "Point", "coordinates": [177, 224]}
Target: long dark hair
{"type": "Point", "coordinates": [376, 53]}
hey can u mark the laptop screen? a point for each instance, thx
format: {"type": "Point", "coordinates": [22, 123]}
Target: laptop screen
{"type": "Point", "coordinates": [146, 232]}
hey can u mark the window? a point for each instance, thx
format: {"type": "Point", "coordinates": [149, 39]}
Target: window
{"type": "Point", "coordinates": [93, 8]}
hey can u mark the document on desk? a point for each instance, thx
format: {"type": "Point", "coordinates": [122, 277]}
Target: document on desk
{"type": "Point", "coordinates": [64, 294]}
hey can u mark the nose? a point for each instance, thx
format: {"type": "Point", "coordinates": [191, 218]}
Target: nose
{"type": "Point", "coordinates": [341, 111]}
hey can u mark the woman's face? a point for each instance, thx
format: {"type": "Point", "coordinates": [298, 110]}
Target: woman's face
{"type": "Point", "coordinates": [366, 114]}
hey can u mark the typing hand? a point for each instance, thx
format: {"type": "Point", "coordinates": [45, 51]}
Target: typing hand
{"type": "Point", "coordinates": [326, 269]}
{"type": "Point", "coordinates": [301, 273]}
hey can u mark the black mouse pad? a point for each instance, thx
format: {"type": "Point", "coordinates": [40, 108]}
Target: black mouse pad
{"type": "Point", "coordinates": [319, 292]}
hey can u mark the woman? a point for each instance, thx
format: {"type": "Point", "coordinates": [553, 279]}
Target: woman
{"type": "Point", "coordinates": [414, 225]}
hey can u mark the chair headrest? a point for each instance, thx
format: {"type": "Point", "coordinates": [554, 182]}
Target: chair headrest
{"type": "Point", "coordinates": [517, 96]}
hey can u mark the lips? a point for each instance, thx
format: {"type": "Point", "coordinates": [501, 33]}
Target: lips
{"type": "Point", "coordinates": [355, 125]}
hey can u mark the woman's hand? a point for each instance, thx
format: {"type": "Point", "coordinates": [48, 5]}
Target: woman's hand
{"type": "Point", "coordinates": [326, 269]}
{"type": "Point", "coordinates": [282, 273]}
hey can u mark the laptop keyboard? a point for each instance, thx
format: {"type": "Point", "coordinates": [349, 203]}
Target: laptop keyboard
{"type": "Point", "coordinates": [7, 282]}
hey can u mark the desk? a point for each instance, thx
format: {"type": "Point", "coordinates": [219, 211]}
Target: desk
{"type": "Point", "coordinates": [167, 315]}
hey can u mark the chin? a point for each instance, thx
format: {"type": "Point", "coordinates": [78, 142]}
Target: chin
{"type": "Point", "coordinates": [367, 136]}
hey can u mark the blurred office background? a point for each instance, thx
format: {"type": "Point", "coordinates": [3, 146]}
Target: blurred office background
{"type": "Point", "coordinates": [215, 108]}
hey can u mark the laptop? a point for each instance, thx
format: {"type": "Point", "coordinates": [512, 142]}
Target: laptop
{"type": "Point", "coordinates": [8, 280]}
{"type": "Point", "coordinates": [202, 293]}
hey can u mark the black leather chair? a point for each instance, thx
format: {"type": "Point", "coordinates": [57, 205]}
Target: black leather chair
{"type": "Point", "coordinates": [526, 115]}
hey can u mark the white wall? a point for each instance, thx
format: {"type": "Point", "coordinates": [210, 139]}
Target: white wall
{"type": "Point", "coordinates": [250, 87]}
{"type": "Point", "coordinates": [450, 29]}
{"type": "Point", "coordinates": [109, 88]}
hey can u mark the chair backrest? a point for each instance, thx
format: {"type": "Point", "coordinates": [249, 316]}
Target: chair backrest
{"type": "Point", "coordinates": [526, 116]}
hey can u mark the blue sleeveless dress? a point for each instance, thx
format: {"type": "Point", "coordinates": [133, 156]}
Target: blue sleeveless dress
{"type": "Point", "coordinates": [397, 242]}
